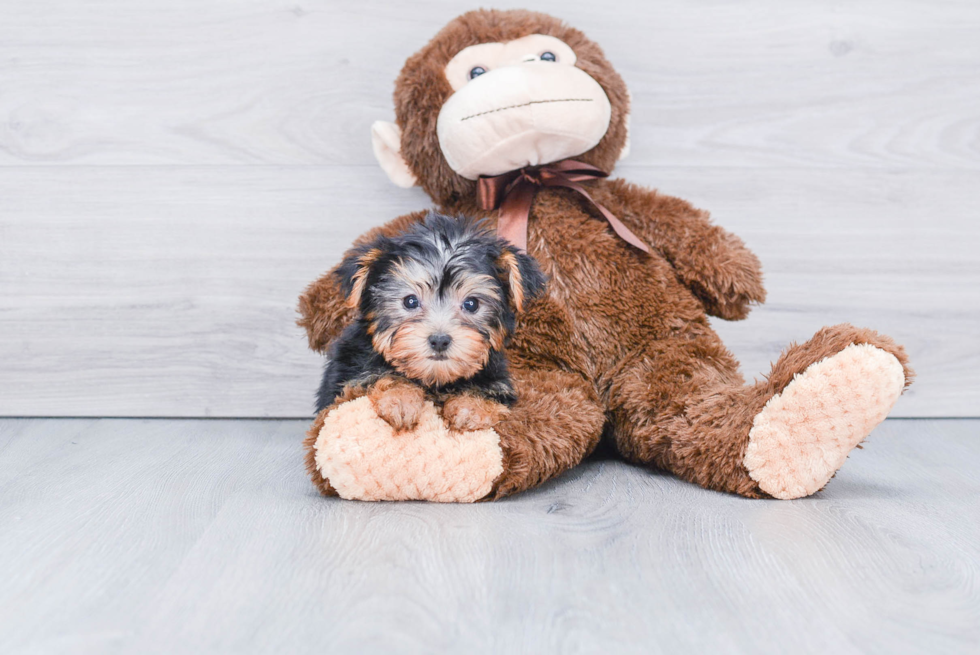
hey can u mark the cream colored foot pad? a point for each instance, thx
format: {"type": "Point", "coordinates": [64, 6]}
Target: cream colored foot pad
{"type": "Point", "coordinates": [803, 435]}
{"type": "Point", "coordinates": [365, 459]}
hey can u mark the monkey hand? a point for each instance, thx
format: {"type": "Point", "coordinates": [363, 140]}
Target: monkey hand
{"type": "Point", "coordinates": [729, 281]}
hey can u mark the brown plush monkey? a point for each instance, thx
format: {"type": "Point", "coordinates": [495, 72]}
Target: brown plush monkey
{"type": "Point", "coordinates": [621, 339]}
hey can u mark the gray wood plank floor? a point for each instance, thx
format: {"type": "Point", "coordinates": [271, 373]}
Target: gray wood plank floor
{"type": "Point", "coordinates": [122, 536]}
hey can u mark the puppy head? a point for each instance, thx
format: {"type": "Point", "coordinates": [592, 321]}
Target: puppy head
{"type": "Point", "coordinates": [440, 297]}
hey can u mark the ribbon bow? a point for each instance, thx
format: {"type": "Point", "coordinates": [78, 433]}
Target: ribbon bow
{"type": "Point", "coordinates": [513, 193]}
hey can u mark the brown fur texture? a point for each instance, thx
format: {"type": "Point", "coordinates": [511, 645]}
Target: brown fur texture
{"type": "Point", "coordinates": [422, 88]}
{"type": "Point", "coordinates": [621, 339]}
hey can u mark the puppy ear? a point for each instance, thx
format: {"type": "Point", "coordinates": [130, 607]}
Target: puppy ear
{"type": "Point", "coordinates": [352, 274]}
{"type": "Point", "coordinates": [521, 275]}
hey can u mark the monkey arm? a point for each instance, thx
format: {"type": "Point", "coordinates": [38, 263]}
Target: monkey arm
{"type": "Point", "coordinates": [323, 308]}
{"type": "Point", "coordinates": [714, 264]}
{"type": "Point", "coordinates": [393, 399]}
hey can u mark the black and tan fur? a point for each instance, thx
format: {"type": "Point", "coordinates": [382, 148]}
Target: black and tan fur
{"type": "Point", "coordinates": [465, 286]}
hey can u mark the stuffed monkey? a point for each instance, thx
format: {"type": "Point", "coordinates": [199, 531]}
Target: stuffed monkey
{"type": "Point", "coordinates": [517, 117]}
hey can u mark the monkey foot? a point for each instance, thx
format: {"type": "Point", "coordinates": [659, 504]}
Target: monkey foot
{"type": "Point", "coordinates": [803, 435]}
{"type": "Point", "coordinates": [364, 458]}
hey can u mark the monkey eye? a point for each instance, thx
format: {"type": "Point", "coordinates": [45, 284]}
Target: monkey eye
{"type": "Point", "coordinates": [548, 56]}
{"type": "Point", "coordinates": [471, 305]}
{"type": "Point", "coordinates": [477, 71]}
{"type": "Point", "coordinates": [411, 302]}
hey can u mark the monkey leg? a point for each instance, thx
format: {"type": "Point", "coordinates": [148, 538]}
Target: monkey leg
{"type": "Point", "coordinates": [682, 406]}
{"type": "Point", "coordinates": [352, 452]}
{"type": "Point", "coordinates": [555, 424]}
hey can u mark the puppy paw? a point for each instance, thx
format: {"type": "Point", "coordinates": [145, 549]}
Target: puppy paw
{"type": "Point", "coordinates": [398, 403]}
{"type": "Point", "coordinates": [465, 413]}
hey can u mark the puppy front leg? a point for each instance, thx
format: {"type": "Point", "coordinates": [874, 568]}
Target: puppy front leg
{"type": "Point", "coordinates": [397, 401]}
{"type": "Point", "coordinates": [469, 411]}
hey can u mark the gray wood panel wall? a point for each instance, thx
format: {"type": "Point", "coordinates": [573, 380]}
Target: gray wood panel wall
{"type": "Point", "coordinates": [172, 174]}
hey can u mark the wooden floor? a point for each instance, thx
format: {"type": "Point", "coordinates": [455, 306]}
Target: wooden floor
{"type": "Point", "coordinates": [193, 536]}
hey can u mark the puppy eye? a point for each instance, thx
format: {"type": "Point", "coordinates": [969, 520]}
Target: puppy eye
{"type": "Point", "coordinates": [477, 71]}
{"type": "Point", "coordinates": [411, 302]}
{"type": "Point", "coordinates": [548, 56]}
{"type": "Point", "coordinates": [471, 305]}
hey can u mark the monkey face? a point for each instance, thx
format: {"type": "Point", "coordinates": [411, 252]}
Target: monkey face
{"type": "Point", "coordinates": [440, 297]}
{"type": "Point", "coordinates": [516, 104]}
{"type": "Point", "coordinates": [495, 91]}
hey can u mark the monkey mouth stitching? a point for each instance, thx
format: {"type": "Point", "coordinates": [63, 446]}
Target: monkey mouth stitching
{"type": "Point", "coordinates": [524, 104]}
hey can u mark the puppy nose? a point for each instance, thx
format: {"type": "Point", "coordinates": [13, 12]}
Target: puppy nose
{"type": "Point", "coordinates": [439, 342]}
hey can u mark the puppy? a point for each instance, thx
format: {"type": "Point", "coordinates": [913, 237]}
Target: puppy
{"type": "Point", "coordinates": [436, 305]}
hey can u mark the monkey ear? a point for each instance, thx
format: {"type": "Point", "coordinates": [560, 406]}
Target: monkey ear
{"type": "Point", "coordinates": [352, 274]}
{"type": "Point", "coordinates": [386, 140]}
{"type": "Point", "coordinates": [521, 275]}
{"type": "Point", "coordinates": [625, 151]}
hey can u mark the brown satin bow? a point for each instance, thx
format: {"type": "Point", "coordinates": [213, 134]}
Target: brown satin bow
{"type": "Point", "coordinates": [513, 193]}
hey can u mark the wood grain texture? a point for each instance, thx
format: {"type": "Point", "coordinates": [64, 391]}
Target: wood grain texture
{"type": "Point", "coordinates": [173, 174]}
{"type": "Point", "coordinates": [761, 82]}
{"type": "Point", "coordinates": [172, 291]}
{"type": "Point", "coordinates": [170, 536]}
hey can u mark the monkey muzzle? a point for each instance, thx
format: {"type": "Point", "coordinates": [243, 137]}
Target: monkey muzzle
{"type": "Point", "coordinates": [522, 115]}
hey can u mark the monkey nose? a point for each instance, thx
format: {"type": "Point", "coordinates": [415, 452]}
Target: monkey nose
{"type": "Point", "coordinates": [440, 342]}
